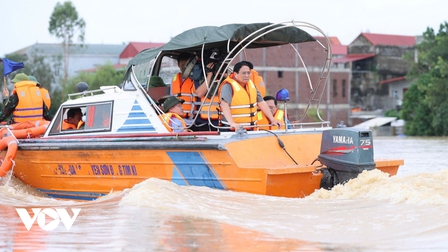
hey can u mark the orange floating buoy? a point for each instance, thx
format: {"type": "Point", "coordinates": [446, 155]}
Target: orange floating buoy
{"type": "Point", "coordinates": [28, 129]}
{"type": "Point", "coordinates": [9, 142]}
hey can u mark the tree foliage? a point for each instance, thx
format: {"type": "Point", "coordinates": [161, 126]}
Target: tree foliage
{"type": "Point", "coordinates": [105, 75]}
{"type": "Point", "coordinates": [425, 105]}
{"type": "Point", "coordinates": [65, 24]}
{"type": "Point", "coordinates": [36, 66]}
{"type": "Point", "coordinates": [392, 113]}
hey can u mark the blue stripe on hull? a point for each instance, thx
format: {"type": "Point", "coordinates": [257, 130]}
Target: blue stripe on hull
{"type": "Point", "coordinates": [136, 114]}
{"type": "Point", "coordinates": [149, 128]}
{"type": "Point", "coordinates": [71, 195]}
{"type": "Point", "coordinates": [192, 168]}
{"type": "Point", "coordinates": [178, 178]}
{"type": "Point", "coordinates": [58, 196]}
{"type": "Point", "coordinates": [144, 121]}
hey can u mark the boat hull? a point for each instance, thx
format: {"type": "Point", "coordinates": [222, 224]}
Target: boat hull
{"type": "Point", "coordinates": [86, 169]}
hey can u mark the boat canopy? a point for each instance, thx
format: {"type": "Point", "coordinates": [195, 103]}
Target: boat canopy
{"type": "Point", "coordinates": [226, 37]}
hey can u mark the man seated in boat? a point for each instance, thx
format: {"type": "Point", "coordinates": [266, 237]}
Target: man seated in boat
{"type": "Point", "coordinates": [74, 119]}
{"type": "Point", "coordinates": [191, 86]}
{"type": "Point", "coordinates": [172, 120]}
{"type": "Point", "coordinates": [240, 100]}
{"type": "Point", "coordinates": [28, 106]}
{"type": "Point", "coordinates": [262, 120]}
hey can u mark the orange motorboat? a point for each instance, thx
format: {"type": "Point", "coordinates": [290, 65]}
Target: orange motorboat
{"type": "Point", "coordinates": [124, 142]}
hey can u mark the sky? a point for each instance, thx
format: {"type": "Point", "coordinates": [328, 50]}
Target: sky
{"type": "Point", "coordinates": [25, 22]}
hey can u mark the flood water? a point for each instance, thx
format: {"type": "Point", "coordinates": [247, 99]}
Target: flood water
{"type": "Point", "coordinates": [407, 212]}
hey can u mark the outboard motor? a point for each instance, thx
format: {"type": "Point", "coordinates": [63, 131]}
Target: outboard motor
{"type": "Point", "coordinates": [346, 152]}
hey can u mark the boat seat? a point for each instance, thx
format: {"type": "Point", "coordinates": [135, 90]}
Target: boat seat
{"type": "Point", "coordinates": [158, 92]}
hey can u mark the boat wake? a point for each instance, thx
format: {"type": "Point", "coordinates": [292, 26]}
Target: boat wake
{"type": "Point", "coordinates": [420, 189]}
{"type": "Point", "coordinates": [389, 200]}
{"type": "Point", "coordinates": [377, 204]}
{"type": "Point", "coordinates": [15, 193]}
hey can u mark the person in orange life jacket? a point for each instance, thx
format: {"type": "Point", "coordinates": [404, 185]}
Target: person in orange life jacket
{"type": "Point", "coordinates": [183, 88]}
{"type": "Point", "coordinates": [190, 90]}
{"type": "Point", "coordinates": [240, 99]}
{"type": "Point", "coordinates": [43, 91]}
{"type": "Point", "coordinates": [74, 119]}
{"type": "Point", "coordinates": [172, 119]}
{"type": "Point", "coordinates": [25, 103]}
{"type": "Point", "coordinates": [277, 113]}
{"type": "Point", "coordinates": [208, 113]}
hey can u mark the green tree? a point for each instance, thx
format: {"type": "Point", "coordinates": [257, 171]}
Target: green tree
{"type": "Point", "coordinates": [105, 75]}
{"type": "Point", "coordinates": [425, 105]}
{"type": "Point", "coordinates": [34, 65]}
{"type": "Point", "coordinates": [393, 113]}
{"type": "Point", "coordinates": [415, 112]}
{"type": "Point", "coordinates": [65, 25]}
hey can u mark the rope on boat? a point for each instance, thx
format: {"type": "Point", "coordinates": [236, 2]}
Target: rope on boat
{"type": "Point", "coordinates": [281, 144]}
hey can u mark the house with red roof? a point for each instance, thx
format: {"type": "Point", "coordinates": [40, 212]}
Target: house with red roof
{"type": "Point", "coordinates": [338, 49]}
{"type": "Point", "coordinates": [378, 70]}
{"type": "Point", "coordinates": [133, 48]}
{"type": "Point", "coordinates": [281, 68]}
{"type": "Point", "coordinates": [129, 52]}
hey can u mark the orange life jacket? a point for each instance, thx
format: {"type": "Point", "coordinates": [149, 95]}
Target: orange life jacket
{"type": "Point", "coordinates": [184, 90]}
{"type": "Point", "coordinates": [244, 103]}
{"type": "Point", "coordinates": [45, 96]}
{"type": "Point", "coordinates": [209, 108]}
{"type": "Point", "coordinates": [167, 122]}
{"type": "Point", "coordinates": [66, 125]}
{"type": "Point", "coordinates": [30, 105]}
{"type": "Point", "coordinates": [263, 120]}
{"type": "Point", "coordinates": [258, 81]}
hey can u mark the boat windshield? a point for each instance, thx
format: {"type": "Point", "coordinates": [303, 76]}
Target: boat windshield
{"type": "Point", "coordinates": [94, 117]}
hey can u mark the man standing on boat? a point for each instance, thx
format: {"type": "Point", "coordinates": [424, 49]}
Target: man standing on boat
{"type": "Point", "coordinates": [25, 103]}
{"type": "Point", "coordinates": [256, 79]}
{"type": "Point", "coordinates": [183, 86]}
{"type": "Point", "coordinates": [193, 92]}
{"type": "Point", "coordinates": [240, 100]}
